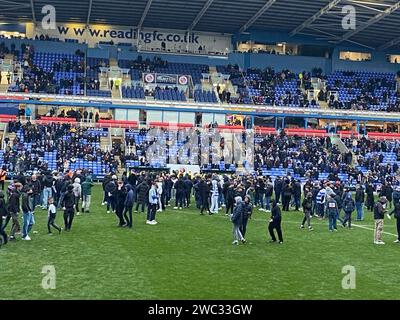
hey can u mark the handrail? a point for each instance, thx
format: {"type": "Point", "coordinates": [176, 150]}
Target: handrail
{"type": "Point", "coordinates": [214, 106]}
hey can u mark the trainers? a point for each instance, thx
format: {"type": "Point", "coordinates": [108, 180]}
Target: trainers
{"type": "Point", "coordinates": [180, 208]}
{"type": "Point", "coordinates": [397, 241]}
{"type": "Point", "coordinates": [310, 228]}
{"type": "Point", "coordinates": [159, 210]}
{"type": "Point", "coordinates": [381, 242]}
{"type": "Point", "coordinates": [243, 241]}
{"type": "Point", "coordinates": [26, 238]}
{"type": "Point", "coordinates": [175, 208]}
{"type": "Point", "coordinates": [154, 222]}
{"type": "Point", "coordinates": [148, 222]}
{"type": "Point", "coordinates": [108, 211]}
{"type": "Point", "coordinates": [235, 242]}
{"type": "Point", "coordinates": [301, 227]}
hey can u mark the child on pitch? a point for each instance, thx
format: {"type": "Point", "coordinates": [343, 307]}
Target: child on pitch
{"type": "Point", "coordinates": [51, 216]}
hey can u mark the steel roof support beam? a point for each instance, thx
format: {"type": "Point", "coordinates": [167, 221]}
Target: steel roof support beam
{"type": "Point", "coordinates": [315, 17]}
{"type": "Point", "coordinates": [200, 14]}
{"type": "Point", "coordinates": [33, 12]}
{"type": "Point", "coordinates": [89, 12]}
{"type": "Point", "coordinates": [254, 18]}
{"type": "Point", "coordinates": [146, 10]}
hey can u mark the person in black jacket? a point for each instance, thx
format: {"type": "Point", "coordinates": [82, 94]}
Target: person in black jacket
{"type": "Point", "coordinates": [237, 220]}
{"type": "Point", "coordinates": [297, 194]}
{"type": "Point", "coordinates": [379, 215]}
{"type": "Point", "coordinates": [128, 205]}
{"type": "Point", "coordinates": [369, 190]}
{"type": "Point", "coordinates": [142, 195]}
{"type": "Point", "coordinates": [359, 201]}
{"type": "Point", "coordinates": [286, 195]}
{"type": "Point", "coordinates": [111, 189]}
{"type": "Point", "coordinates": [105, 181]}
{"type": "Point", "coordinates": [275, 223]}
{"type": "Point", "coordinates": [278, 185]}
{"type": "Point", "coordinates": [188, 185]}
{"type": "Point", "coordinates": [69, 207]}
{"type": "Point", "coordinates": [307, 210]}
{"type": "Point", "coordinates": [3, 214]}
{"type": "Point", "coordinates": [396, 212]}
{"type": "Point", "coordinates": [120, 195]}
{"type": "Point", "coordinates": [230, 199]}
{"type": "Point", "coordinates": [204, 189]}
{"type": "Point", "coordinates": [36, 187]}
{"type": "Point", "coordinates": [66, 182]}
{"type": "Point", "coordinates": [14, 209]}
{"type": "Point", "coordinates": [27, 210]}
{"type": "Point", "coordinates": [247, 212]}
{"type": "Point", "coordinates": [180, 193]}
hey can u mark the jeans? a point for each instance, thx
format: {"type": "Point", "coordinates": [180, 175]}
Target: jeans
{"type": "Point", "coordinates": [268, 203]}
{"type": "Point", "coordinates": [151, 212]}
{"type": "Point", "coordinates": [214, 204]}
{"type": "Point", "coordinates": [347, 218]}
{"type": "Point", "coordinates": [243, 227]}
{"type": "Point", "coordinates": [297, 203]}
{"type": "Point", "coordinates": [237, 235]}
{"type": "Point", "coordinates": [128, 219]}
{"type": "Point", "coordinates": [47, 192]}
{"type": "Point", "coordinates": [86, 203]}
{"type": "Point", "coordinates": [69, 214]}
{"type": "Point", "coordinates": [332, 222]}
{"type": "Point", "coordinates": [261, 200]}
{"type": "Point", "coordinates": [36, 200]}
{"type": "Point", "coordinates": [110, 203]}
{"type": "Point", "coordinates": [29, 221]}
{"type": "Point", "coordinates": [360, 213]}
{"type": "Point", "coordinates": [60, 200]}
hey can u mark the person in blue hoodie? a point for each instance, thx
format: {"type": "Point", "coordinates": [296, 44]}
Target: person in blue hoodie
{"type": "Point", "coordinates": [128, 205]}
{"type": "Point", "coordinates": [153, 201]}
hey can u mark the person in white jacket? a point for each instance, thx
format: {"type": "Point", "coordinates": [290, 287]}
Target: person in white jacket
{"type": "Point", "coordinates": [159, 193]}
{"type": "Point", "coordinates": [77, 190]}
{"type": "Point", "coordinates": [214, 196]}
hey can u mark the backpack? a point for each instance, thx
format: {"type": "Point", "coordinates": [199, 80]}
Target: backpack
{"type": "Point", "coordinates": [348, 205]}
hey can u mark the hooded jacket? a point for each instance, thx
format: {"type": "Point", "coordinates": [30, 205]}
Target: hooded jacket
{"type": "Point", "coordinates": [129, 196]}
{"type": "Point", "coordinates": [87, 187]}
{"type": "Point", "coordinates": [77, 188]}
{"type": "Point", "coordinates": [13, 201]}
{"type": "Point", "coordinates": [69, 198]}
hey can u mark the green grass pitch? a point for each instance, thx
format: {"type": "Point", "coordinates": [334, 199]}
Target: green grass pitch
{"type": "Point", "coordinates": [188, 256]}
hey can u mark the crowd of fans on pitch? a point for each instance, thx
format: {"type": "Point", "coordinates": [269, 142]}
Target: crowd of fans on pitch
{"type": "Point", "coordinates": [236, 195]}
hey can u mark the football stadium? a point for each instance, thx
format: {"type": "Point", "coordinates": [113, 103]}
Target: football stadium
{"type": "Point", "coordinates": [199, 150]}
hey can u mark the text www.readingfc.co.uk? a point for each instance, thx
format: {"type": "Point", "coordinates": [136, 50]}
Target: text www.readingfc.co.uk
{"type": "Point", "coordinates": [201, 310]}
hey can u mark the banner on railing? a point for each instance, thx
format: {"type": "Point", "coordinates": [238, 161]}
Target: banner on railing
{"type": "Point", "coordinates": [161, 78]}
